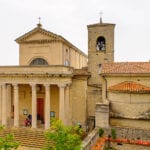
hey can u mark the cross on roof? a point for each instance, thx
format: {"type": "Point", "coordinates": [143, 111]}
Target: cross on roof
{"type": "Point", "coordinates": [39, 24]}
{"type": "Point", "coordinates": [101, 13]}
{"type": "Point", "coordinates": [39, 20]}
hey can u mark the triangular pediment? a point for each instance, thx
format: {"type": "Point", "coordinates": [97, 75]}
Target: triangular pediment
{"type": "Point", "coordinates": [38, 34]}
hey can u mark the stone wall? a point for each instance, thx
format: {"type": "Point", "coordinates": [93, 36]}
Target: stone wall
{"type": "Point", "coordinates": [130, 133]}
{"type": "Point", "coordinates": [78, 100]}
{"type": "Point", "coordinates": [129, 105]}
{"type": "Point", "coordinates": [130, 123]}
{"type": "Point", "coordinates": [94, 95]}
{"type": "Point", "coordinates": [90, 140]}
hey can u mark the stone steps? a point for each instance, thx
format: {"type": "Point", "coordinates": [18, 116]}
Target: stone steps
{"type": "Point", "coordinates": [27, 136]}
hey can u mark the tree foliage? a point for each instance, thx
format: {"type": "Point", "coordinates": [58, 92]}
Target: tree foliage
{"type": "Point", "coordinates": [8, 142]}
{"type": "Point", "coordinates": [62, 137]}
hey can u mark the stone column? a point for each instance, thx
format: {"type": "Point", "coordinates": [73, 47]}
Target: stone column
{"type": "Point", "coordinates": [16, 105]}
{"type": "Point", "coordinates": [34, 106]}
{"type": "Point", "coordinates": [8, 97]}
{"type": "Point", "coordinates": [62, 103]}
{"type": "Point", "coordinates": [67, 106]}
{"type": "Point", "coordinates": [4, 105]}
{"type": "Point", "coordinates": [47, 106]}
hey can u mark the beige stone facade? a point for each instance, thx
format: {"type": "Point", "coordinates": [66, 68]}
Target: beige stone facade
{"type": "Point", "coordinates": [55, 80]}
{"type": "Point", "coordinates": [46, 84]}
{"type": "Point", "coordinates": [54, 49]}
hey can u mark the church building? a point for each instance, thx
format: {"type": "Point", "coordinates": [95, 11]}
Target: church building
{"type": "Point", "coordinates": [54, 79]}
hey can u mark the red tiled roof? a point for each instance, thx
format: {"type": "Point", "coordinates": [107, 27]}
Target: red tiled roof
{"type": "Point", "coordinates": [130, 86]}
{"type": "Point", "coordinates": [125, 67]}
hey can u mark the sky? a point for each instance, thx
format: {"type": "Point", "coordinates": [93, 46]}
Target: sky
{"type": "Point", "coordinates": [69, 18]}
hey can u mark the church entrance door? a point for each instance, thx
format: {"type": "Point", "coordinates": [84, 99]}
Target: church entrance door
{"type": "Point", "coordinates": [40, 109]}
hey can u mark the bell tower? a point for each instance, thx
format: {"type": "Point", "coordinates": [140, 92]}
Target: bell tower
{"type": "Point", "coordinates": [100, 50]}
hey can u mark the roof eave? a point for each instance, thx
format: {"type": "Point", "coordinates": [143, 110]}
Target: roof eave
{"type": "Point", "coordinates": [124, 74]}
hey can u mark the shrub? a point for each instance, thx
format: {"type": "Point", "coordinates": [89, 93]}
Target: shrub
{"type": "Point", "coordinates": [101, 132]}
{"type": "Point", "coordinates": [61, 137]}
{"type": "Point", "coordinates": [113, 133]}
{"type": "Point", "coordinates": [8, 142]}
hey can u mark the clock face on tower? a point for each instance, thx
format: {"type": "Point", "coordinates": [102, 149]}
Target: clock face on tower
{"type": "Point", "coordinates": [100, 44]}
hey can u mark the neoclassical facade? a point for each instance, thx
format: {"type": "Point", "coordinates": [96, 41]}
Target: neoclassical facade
{"type": "Point", "coordinates": [54, 79]}
{"type": "Point", "coordinates": [45, 82]}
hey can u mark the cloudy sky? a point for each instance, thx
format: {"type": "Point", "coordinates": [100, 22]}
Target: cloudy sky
{"type": "Point", "coordinates": [70, 18]}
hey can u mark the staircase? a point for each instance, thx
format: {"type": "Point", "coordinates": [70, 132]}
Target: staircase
{"type": "Point", "coordinates": [26, 136]}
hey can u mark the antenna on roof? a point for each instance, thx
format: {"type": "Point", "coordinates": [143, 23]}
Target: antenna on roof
{"type": "Point", "coordinates": [39, 24]}
{"type": "Point", "coordinates": [101, 13]}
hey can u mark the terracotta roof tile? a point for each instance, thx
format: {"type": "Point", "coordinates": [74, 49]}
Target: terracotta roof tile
{"type": "Point", "coordinates": [125, 67]}
{"type": "Point", "coordinates": [130, 86]}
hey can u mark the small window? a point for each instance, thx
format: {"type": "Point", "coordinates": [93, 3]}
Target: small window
{"type": "Point", "coordinates": [100, 44]}
{"type": "Point", "coordinates": [66, 50]}
{"type": "Point", "coordinates": [52, 114]}
{"type": "Point", "coordinates": [100, 68]}
{"type": "Point", "coordinates": [38, 61]}
{"type": "Point", "coordinates": [66, 63]}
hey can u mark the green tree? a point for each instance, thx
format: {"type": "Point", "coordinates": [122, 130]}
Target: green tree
{"type": "Point", "coordinates": [62, 137]}
{"type": "Point", "coordinates": [8, 142]}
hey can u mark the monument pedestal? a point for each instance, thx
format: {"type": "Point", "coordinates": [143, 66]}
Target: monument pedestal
{"type": "Point", "coordinates": [102, 115]}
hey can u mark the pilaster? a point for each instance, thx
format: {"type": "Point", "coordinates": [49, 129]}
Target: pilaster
{"type": "Point", "coordinates": [62, 102]}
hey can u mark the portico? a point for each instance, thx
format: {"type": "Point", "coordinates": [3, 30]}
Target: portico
{"type": "Point", "coordinates": [23, 96]}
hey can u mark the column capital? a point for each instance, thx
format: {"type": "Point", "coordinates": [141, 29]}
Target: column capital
{"type": "Point", "coordinates": [2, 84]}
{"type": "Point", "coordinates": [62, 85]}
{"type": "Point", "coordinates": [47, 85]}
{"type": "Point", "coordinates": [32, 84]}
{"type": "Point", "coordinates": [69, 84]}
{"type": "Point", "coordinates": [15, 84]}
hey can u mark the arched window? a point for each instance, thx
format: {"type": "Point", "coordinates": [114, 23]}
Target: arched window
{"type": "Point", "coordinates": [100, 43]}
{"type": "Point", "coordinates": [38, 61]}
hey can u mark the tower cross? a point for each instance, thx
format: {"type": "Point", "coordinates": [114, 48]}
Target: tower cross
{"type": "Point", "coordinates": [101, 13]}
{"type": "Point", "coordinates": [39, 24]}
{"type": "Point", "coordinates": [39, 20]}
